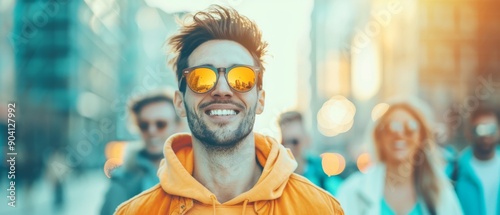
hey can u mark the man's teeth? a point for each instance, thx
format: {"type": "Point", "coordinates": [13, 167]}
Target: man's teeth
{"type": "Point", "coordinates": [222, 112]}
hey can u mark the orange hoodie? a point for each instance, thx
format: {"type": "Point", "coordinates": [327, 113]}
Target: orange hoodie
{"type": "Point", "coordinates": [278, 190]}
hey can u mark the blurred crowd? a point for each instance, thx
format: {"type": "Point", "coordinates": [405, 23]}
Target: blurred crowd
{"type": "Point", "coordinates": [411, 170]}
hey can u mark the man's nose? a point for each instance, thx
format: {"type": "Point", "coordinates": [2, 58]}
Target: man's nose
{"type": "Point", "coordinates": [222, 88]}
{"type": "Point", "coordinates": [152, 129]}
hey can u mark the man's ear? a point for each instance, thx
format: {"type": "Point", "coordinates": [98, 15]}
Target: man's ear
{"type": "Point", "coordinates": [179, 104]}
{"type": "Point", "coordinates": [261, 101]}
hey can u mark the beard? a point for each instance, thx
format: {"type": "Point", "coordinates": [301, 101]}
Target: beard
{"type": "Point", "coordinates": [219, 138]}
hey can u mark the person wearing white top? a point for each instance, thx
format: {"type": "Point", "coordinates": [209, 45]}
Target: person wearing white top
{"type": "Point", "coordinates": [478, 169]}
{"type": "Point", "coordinates": [407, 177]}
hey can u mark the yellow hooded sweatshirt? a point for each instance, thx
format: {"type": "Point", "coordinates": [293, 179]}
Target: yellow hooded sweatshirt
{"type": "Point", "coordinates": [278, 190]}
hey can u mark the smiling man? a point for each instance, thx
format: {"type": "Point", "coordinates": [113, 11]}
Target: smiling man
{"type": "Point", "coordinates": [224, 167]}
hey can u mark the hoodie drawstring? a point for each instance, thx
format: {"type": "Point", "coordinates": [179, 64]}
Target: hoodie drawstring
{"type": "Point", "coordinates": [213, 202]}
{"type": "Point", "coordinates": [244, 206]}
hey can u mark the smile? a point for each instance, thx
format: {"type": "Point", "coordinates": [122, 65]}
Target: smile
{"type": "Point", "coordinates": [221, 112]}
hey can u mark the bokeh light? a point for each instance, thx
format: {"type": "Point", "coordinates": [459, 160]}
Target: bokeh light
{"type": "Point", "coordinates": [333, 163]}
{"type": "Point", "coordinates": [89, 105]}
{"type": "Point", "coordinates": [148, 19]}
{"type": "Point", "coordinates": [363, 162]}
{"type": "Point", "coordinates": [366, 74]}
{"type": "Point", "coordinates": [379, 110]}
{"type": "Point", "coordinates": [336, 116]}
{"type": "Point", "coordinates": [115, 149]}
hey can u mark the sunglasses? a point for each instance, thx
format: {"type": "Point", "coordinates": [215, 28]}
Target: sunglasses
{"type": "Point", "coordinates": [201, 79]}
{"type": "Point", "coordinates": [293, 141]}
{"type": "Point", "coordinates": [160, 125]}
{"type": "Point", "coordinates": [485, 130]}
{"type": "Point", "coordinates": [409, 127]}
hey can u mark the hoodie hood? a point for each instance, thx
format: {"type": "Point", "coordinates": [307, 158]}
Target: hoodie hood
{"type": "Point", "coordinates": [176, 169]}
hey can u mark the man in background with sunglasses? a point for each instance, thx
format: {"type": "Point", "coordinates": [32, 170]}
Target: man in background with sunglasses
{"type": "Point", "coordinates": [478, 169]}
{"type": "Point", "coordinates": [224, 167]}
{"type": "Point", "coordinates": [154, 116]}
{"type": "Point", "coordinates": [294, 136]}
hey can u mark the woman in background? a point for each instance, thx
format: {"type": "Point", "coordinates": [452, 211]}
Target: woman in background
{"type": "Point", "coordinates": [408, 177]}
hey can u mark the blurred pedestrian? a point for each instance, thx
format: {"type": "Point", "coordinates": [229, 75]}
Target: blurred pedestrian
{"type": "Point", "coordinates": [446, 148]}
{"type": "Point", "coordinates": [478, 169]}
{"type": "Point", "coordinates": [408, 177]}
{"type": "Point", "coordinates": [294, 136]}
{"type": "Point", "coordinates": [154, 116]}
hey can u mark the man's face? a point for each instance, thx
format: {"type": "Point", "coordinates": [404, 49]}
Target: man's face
{"type": "Point", "coordinates": [485, 133]}
{"type": "Point", "coordinates": [222, 117]}
{"type": "Point", "coordinates": [156, 122]}
{"type": "Point", "coordinates": [294, 137]}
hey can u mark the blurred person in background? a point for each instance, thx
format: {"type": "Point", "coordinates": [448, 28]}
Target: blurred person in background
{"type": "Point", "coordinates": [407, 179]}
{"type": "Point", "coordinates": [295, 137]}
{"type": "Point", "coordinates": [448, 151]}
{"type": "Point", "coordinates": [478, 170]}
{"type": "Point", "coordinates": [154, 115]}
{"type": "Point", "coordinates": [224, 167]}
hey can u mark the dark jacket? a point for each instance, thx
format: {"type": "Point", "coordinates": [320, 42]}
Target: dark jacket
{"type": "Point", "coordinates": [136, 175]}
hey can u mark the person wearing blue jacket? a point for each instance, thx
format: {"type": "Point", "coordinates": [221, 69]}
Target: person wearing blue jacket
{"type": "Point", "coordinates": [294, 136]}
{"type": "Point", "coordinates": [478, 176]}
{"type": "Point", "coordinates": [154, 116]}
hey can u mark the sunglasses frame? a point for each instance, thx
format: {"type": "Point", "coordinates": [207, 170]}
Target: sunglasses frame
{"type": "Point", "coordinates": [225, 70]}
{"type": "Point", "coordinates": [153, 122]}
{"type": "Point", "coordinates": [491, 126]}
{"type": "Point", "coordinates": [294, 141]}
{"type": "Point", "coordinates": [387, 127]}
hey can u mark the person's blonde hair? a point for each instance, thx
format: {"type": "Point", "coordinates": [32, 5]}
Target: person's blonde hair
{"type": "Point", "coordinates": [427, 161]}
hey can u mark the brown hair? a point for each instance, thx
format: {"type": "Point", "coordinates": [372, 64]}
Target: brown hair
{"type": "Point", "coordinates": [138, 103]}
{"type": "Point", "coordinates": [484, 111]}
{"type": "Point", "coordinates": [426, 161]}
{"type": "Point", "coordinates": [217, 23]}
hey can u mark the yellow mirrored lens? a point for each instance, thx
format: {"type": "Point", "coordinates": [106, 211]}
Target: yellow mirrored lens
{"type": "Point", "coordinates": [241, 78]}
{"type": "Point", "coordinates": [201, 80]}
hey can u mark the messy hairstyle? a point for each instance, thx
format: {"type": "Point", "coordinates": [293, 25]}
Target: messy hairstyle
{"type": "Point", "coordinates": [426, 163]}
{"type": "Point", "coordinates": [216, 23]}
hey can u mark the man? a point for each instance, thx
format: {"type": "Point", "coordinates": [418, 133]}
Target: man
{"type": "Point", "coordinates": [155, 117]}
{"type": "Point", "coordinates": [294, 136]}
{"type": "Point", "coordinates": [225, 168]}
{"type": "Point", "coordinates": [478, 168]}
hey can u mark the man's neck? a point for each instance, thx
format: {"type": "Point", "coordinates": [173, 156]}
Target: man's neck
{"type": "Point", "coordinates": [237, 170]}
